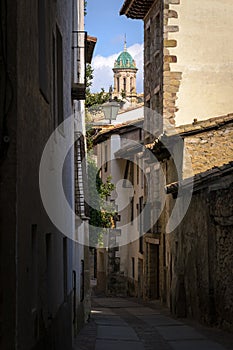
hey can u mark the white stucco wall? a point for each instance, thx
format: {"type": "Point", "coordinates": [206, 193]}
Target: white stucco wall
{"type": "Point", "coordinates": [205, 57]}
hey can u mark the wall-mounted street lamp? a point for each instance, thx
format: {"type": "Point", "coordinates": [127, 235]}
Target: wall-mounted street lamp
{"type": "Point", "coordinates": [110, 108]}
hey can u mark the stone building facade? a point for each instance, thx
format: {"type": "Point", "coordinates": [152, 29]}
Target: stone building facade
{"type": "Point", "coordinates": [129, 268]}
{"type": "Point", "coordinates": [187, 81]}
{"type": "Point", "coordinates": [191, 268]}
{"type": "Point", "coordinates": [41, 268]}
{"type": "Point", "coordinates": [119, 267]}
{"type": "Point", "coordinates": [199, 251]}
{"type": "Point", "coordinates": [185, 61]}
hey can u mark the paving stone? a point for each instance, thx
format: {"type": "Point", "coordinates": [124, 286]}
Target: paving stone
{"type": "Point", "coordinates": [195, 345]}
{"type": "Point", "coordinates": [159, 320]}
{"type": "Point", "coordinates": [110, 321]}
{"type": "Point", "coordinates": [97, 311]}
{"type": "Point", "coordinates": [141, 311]}
{"type": "Point", "coordinates": [179, 333]}
{"type": "Point", "coordinates": [129, 326]}
{"type": "Point", "coordinates": [116, 332]}
{"type": "Point", "coordinates": [118, 345]}
{"type": "Point", "coordinates": [114, 302]}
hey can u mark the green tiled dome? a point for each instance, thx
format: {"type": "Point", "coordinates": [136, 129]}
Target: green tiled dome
{"type": "Point", "coordinates": [125, 60]}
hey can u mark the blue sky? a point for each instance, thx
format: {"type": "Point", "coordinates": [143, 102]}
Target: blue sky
{"type": "Point", "coordinates": [104, 22]}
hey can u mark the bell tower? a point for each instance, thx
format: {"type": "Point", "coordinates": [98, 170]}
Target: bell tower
{"type": "Point", "coordinates": [125, 72]}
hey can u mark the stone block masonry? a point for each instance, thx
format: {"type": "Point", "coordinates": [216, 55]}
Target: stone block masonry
{"type": "Point", "coordinates": [211, 147]}
{"type": "Point", "coordinates": [201, 251]}
{"type": "Point", "coordinates": [171, 80]}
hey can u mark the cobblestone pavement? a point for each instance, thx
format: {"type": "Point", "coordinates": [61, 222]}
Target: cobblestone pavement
{"type": "Point", "coordinates": [120, 323]}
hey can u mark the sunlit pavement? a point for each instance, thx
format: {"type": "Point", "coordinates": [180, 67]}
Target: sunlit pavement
{"type": "Point", "coordinates": [118, 323]}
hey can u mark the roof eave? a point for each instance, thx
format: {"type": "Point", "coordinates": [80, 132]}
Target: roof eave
{"type": "Point", "coordinates": [136, 9]}
{"type": "Point", "coordinates": [199, 181]}
{"type": "Point", "coordinates": [91, 42]}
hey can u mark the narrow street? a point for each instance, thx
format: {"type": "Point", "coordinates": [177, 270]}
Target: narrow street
{"type": "Point", "coordinates": [116, 175]}
{"type": "Point", "coordinates": [120, 323]}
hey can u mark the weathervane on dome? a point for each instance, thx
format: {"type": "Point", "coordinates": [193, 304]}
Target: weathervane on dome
{"type": "Point", "coordinates": [125, 44]}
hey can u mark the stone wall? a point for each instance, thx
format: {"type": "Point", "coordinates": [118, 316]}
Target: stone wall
{"type": "Point", "coordinates": [200, 253]}
{"type": "Point", "coordinates": [36, 296]}
{"type": "Point", "coordinates": [171, 78]}
{"type": "Point", "coordinates": [161, 80]}
{"type": "Point", "coordinates": [153, 70]}
{"type": "Point", "coordinates": [221, 212]}
{"type": "Point", "coordinates": [213, 146]}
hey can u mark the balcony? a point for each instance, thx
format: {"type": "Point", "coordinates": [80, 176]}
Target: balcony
{"type": "Point", "coordinates": [83, 47]}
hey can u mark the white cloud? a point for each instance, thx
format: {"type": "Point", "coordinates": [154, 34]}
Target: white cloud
{"type": "Point", "coordinates": [103, 74]}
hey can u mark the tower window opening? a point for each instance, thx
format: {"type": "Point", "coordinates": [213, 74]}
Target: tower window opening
{"type": "Point", "coordinates": [124, 84]}
{"type": "Point", "coordinates": [118, 84]}
{"type": "Point", "coordinates": [131, 84]}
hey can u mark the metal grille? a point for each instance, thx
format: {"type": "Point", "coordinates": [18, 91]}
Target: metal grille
{"type": "Point", "coordinates": [81, 208]}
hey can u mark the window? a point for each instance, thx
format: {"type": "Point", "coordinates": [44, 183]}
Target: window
{"type": "Point", "coordinates": [157, 32]}
{"type": "Point", "coordinates": [137, 170]}
{"type": "Point", "coordinates": [129, 174]}
{"type": "Point", "coordinates": [59, 71]}
{"type": "Point", "coordinates": [131, 84]}
{"type": "Point", "coordinates": [132, 210]}
{"type": "Point", "coordinates": [148, 44]}
{"type": "Point", "coordinates": [54, 85]}
{"type": "Point", "coordinates": [82, 281]}
{"type": "Point", "coordinates": [34, 267]}
{"type": "Point", "coordinates": [141, 225]}
{"type": "Point", "coordinates": [140, 136]}
{"type": "Point", "coordinates": [171, 269]}
{"type": "Point", "coordinates": [142, 172]}
{"type": "Point", "coordinates": [74, 295]}
{"type": "Point", "coordinates": [105, 158]}
{"type": "Point", "coordinates": [176, 250]}
{"type": "Point", "coordinates": [164, 250]}
{"type": "Point", "coordinates": [65, 267]}
{"type": "Point", "coordinates": [133, 268]}
{"type": "Point", "coordinates": [118, 84]}
{"type": "Point", "coordinates": [48, 242]}
{"type": "Point", "coordinates": [81, 206]}
{"type": "Point", "coordinates": [43, 50]}
{"type": "Point", "coordinates": [124, 84]}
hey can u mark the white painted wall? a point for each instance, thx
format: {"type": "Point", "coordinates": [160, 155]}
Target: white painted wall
{"type": "Point", "coordinates": [205, 56]}
{"type": "Point", "coordinates": [134, 114]}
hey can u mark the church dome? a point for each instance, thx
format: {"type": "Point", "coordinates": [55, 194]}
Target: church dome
{"type": "Point", "coordinates": [125, 60]}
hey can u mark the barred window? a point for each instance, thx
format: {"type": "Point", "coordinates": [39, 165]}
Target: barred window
{"type": "Point", "coordinates": [81, 207]}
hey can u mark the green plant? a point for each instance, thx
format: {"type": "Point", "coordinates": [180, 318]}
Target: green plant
{"type": "Point", "coordinates": [102, 212]}
{"type": "Point", "coordinates": [85, 8]}
{"type": "Point", "coordinates": [123, 94]}
{"type": "Point", "coordinates": [94, 101]}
